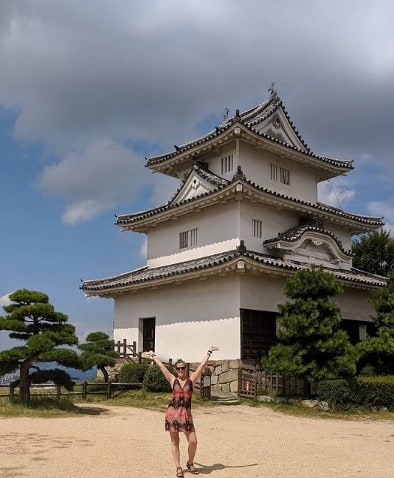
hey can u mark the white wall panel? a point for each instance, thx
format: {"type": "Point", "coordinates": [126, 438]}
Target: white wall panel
{"type": "Point", "coordinates": [189, 317]}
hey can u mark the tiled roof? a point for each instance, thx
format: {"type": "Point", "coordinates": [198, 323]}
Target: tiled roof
{"type": "Point", "coordinates": [170, 272]}
{"type": "Point", "coordinates": [295, 233]}
{"type": "Point", "coordinates": [128, 219]}
{"type": "Point", "coordinates": [248, 119]}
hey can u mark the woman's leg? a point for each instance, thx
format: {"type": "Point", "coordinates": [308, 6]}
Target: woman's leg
{"type": "Point", "coordinates": [192, 447]}
{"type": "Point", "coordinates": [174, 437]}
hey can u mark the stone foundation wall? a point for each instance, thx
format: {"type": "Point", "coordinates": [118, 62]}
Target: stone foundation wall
{"type": "Point", "coordinates": [224, 375]}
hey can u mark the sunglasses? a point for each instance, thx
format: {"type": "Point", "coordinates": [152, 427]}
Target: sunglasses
{"type": "Point", "coordinates": [180, 368]}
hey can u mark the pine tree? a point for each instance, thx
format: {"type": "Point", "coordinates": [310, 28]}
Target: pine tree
{"type": "Point", "coordinates": [98, 351]}
{"type": "Point", "coordinates": [378, 352]}
{"type": "Point", "coordinates": [310, 342]}
{"type": "Point", "coordinates": [374, 252]}
{"type": "Point", "coordinates": [34, 321]}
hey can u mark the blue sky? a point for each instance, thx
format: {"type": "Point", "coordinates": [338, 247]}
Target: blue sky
{"type": "Point", "coordinates": [88, 89]}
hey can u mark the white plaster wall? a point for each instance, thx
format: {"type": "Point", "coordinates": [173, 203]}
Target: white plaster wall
{"type": "Point", "coordinates": [189, 318]}
{"type": "Point", "coordinates": [342, 234]}
{"type": "Point", "coordinates": [217, 231]}
{"type": "Point", "coordinates": [263, 292]}
{"type": "Point", "coordinates": [256, 165]}
{"type": "Point", "coordinates": [273, 221]}
{"type": "Point", "coordinates": [354, 304]}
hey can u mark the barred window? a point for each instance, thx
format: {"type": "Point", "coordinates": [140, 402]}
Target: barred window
{"type": "Point", "coordinates": [362, 331]}
{"type": "Point", "coordinates": [280, 174]}
{"type": "Point", "coordinates": [227, 164]}
{"type": "Point", "coordinates": [188, 238]}
{"type": "Point", "coordinates": [284, 175]}
{"type": "Point", "coordinates": [257, 228]}
{"type": "Point", "coordinates": [274, 172]}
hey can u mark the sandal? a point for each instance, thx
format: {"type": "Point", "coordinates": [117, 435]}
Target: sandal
{"type": "Point", "coordinates": [179, 472]}
{"type": "Point", "coordinates": [190, 467]}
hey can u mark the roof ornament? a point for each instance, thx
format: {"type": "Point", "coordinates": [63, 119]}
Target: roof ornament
{"type": "Point", "coordinates": [237, 115]}
{"type": "Point", "coordinates": [225, 114]}
{"type": "Point", "coordinates": [239, 173]}
{"type": "Point", "coordinates": [272, 91]}
{"type": "Point", "coordinates": [241, 249]}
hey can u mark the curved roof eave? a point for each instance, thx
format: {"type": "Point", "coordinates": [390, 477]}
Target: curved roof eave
{"type": "Point", "coordinates": [143, 220]}
{"type": "Point", "coordinates": [227, 262]}
{"type": "Point", "coordinates": [227, 133]}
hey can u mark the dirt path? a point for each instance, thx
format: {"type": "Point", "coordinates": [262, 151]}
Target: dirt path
{"type": "Point", "coordinates": [234, 442]}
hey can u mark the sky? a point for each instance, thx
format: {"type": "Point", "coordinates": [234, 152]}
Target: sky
{"type": "Point", "coordinates": [89, 88]}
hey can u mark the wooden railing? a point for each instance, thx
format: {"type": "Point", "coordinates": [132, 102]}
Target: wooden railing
{"type": "Point", "coordinates": [127, 351]}
{"type": "Point", "coordinates": [83, 389]}
{"type": "Point", "coordinates": [252, 383]}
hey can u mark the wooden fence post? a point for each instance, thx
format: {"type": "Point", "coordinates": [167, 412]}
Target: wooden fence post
{"type": "Point", "coordinates": [84, 390]}
{"type": "Point", "coordinates": [109, 389]}
{"type": "Point", "coordinates": [58, 392]}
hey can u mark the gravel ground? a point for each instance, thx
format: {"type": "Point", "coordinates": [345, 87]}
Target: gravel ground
{"type": "Point", "coordinates": [234, 441]}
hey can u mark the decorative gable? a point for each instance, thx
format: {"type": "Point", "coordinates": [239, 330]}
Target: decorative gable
{"type": "Point", "coordinates": [271, 119]}
{"type": "Point", "coordinates": [278, 127]}
{"type": "Point", "coordinates": [199, 181]}
{"type": "Point", "coordinates": [311, 243]}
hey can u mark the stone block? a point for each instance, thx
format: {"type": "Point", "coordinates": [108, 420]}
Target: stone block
{"type": "Point", "coordinates": [281, 400]}
{"type": "Point", "coordinates": [265, 398]}
{"type": "Point", "coordinates": [310, 403]}
{"type": "Point", "coordinates": [229, 376]}
{"type": "Point", "coordinates": [324, 406]}
{"type": "Point", "coordinates": [234, 387]}
{"type": "Point", "coordinates": [234, 364]}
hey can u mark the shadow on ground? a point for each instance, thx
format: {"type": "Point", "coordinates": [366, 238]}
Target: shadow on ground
{"type": "Point", "coordinates": [208, 469]}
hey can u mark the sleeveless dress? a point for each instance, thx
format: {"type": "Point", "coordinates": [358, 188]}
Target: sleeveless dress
{"type": "Point", "coordinates": [178, 417]}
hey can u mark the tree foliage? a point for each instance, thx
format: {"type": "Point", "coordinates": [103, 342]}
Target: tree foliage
{"type": "Point", "coordinates": [32, 320]}
{"type": "Point", "coordinates": [377, 353]}
{"type": "Point", "coordinates": [98, 351]}
{"type": "Point", "coordinates": [374, 252]}
{"type": "Point", "coordinates": [310, 341]}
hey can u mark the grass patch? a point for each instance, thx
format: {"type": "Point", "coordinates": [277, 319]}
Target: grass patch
{"type": "Point", "coordinates": [42, 406]}
{"type": "Point", "coordinates": [38, 407]}
{"type": "Point", "coordinates": [339, 414]}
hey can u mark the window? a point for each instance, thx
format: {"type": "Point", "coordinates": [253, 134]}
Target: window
{"type": "Point", "coordinates": [188, 239]}
{"type": "Point", "coordinates": [257, 228]}
{"type": "Point", "coordinates": [227, 164]}
{"type": "Point", "coordinates": [358, 330]}
{"type": "Point", "coordinates": [362, 331]}
{"type": "Point", "coordinates": [280, 174]}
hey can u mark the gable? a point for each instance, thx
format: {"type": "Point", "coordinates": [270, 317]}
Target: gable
{"type": "Point", "coordinates": [311, 245]}
{"type": "Point", "coordinates": [194, 185]}
{"type": "Point", "coordinates": [279, 127]}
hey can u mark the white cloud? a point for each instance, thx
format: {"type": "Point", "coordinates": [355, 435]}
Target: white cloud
{"type": "Point", "coordinates": [151, 72]}
{"type": "Point", "coordinates": [335, 193]}
{"type": "Point", "coordinates": [385, 209]}
{"type": "Point", "coordinates": [95, 179]}
{"type": "Point", "coordinates": [5, 300]}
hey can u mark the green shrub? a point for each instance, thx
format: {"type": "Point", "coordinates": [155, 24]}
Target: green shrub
{"type": "Point", "coordinates": [360, 392]}
{"type": "Point", "coordinates": [133, 373]}
{"type": "Point", "coordinates": [154, 381]}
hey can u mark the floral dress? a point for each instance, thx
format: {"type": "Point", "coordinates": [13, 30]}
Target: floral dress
{"type": "Point", "coordinates": [178, 416]}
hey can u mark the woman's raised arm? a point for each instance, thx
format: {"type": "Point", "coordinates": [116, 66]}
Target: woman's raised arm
{"type": "Point", "coordinates": [197, 373]}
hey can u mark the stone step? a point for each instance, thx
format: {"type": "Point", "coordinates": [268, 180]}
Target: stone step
{"type": "Point", "coordinates": [225, 398]}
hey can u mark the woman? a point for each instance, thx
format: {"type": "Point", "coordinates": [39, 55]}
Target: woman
{"type": "Point", "coordinates": [178, 416]}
